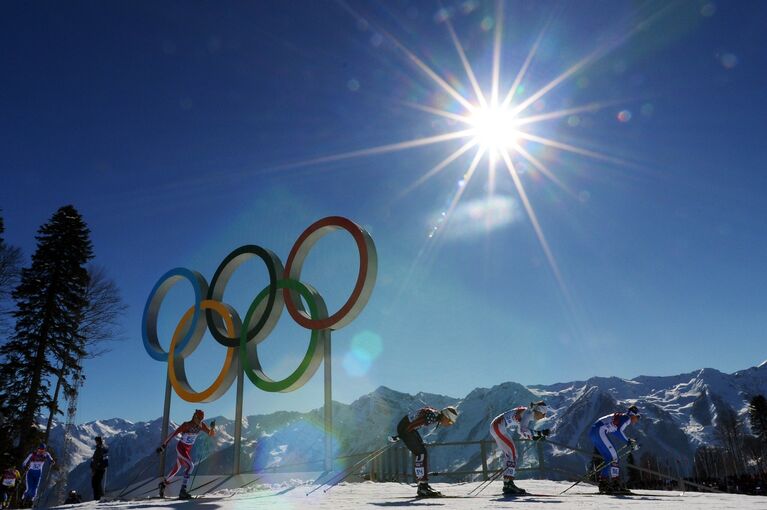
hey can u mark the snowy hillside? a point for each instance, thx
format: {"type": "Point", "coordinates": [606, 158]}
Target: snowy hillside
{"type": "Point", "coordinates": [679, 414]}
{"type": "Point", "coordinates": [382, 495]}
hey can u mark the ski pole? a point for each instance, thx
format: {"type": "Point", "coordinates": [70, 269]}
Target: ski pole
{"type": "Point", "coordinates": [123, 492]}
{"type": "Point", "coordinates": [351, 470]}
{"type": "Point", "coordinates": [234, 491]}
{"type": "Point", "coordinates": [347, 471]}
{"type": "Point", "coordinates": [203, 457]}
{"type": "Point", "coordinates": [595, 470]}
{"type": "Point", "coordinates": [338, 478]}
{"type": "Point", "coordinates": [561, 445]}
{"type": "Point", "coordinates": [486, 483]}
{"type": "Point", "coordinates": [332, 476]}
{"type": "Point", "coordinates": [620, 453]}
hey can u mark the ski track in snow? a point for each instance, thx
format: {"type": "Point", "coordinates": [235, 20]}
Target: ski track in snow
{"type": "Point", "coordinates": [372, 495]}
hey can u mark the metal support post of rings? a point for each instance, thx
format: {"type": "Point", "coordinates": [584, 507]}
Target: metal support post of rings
{"type": "Point", "coordinates": [241, 340]}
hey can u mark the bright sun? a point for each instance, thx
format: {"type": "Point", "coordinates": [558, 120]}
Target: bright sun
{"type": "Point", "coordinates": [494, 128]}
{"type": "Point", "coordinates": [494, 125]}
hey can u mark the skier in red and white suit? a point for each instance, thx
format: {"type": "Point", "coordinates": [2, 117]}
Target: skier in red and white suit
{"type": "Point", "coordinates": [189, 431]}
{"type": "Point", "coordinates": [521, 418]}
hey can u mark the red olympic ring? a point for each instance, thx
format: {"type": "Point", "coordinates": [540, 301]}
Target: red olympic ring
{"type": "Point", "coordinates": [363, 287]}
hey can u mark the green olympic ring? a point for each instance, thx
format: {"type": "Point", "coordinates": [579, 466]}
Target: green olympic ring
{"type": "Point", "coordinates": [314, 353]}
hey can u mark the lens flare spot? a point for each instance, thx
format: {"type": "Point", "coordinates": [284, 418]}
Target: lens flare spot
{"type": "Point", "coordinates": [624, 116]}
{"type": "Point", "coordinates": [442, 15]}
{"type": "Point", "coordinates": [366, 346]}
{"type": "Point", "coordinates": [708, 10]}
{"type": "Point", "coordinates": [728, 60]}
{"type": "Point", "coordinates": [647, 109]}
{"type": "Point", "coordinates": [469, 6]}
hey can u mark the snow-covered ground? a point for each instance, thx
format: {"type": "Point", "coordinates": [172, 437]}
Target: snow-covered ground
{"type": "Point", "coordinates": [354, 496]}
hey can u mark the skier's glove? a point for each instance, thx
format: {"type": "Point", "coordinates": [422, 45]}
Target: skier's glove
{"type": "Point", "coordinates": [633, 445]}
{"type": "Point", "coordinates": [160, 449]}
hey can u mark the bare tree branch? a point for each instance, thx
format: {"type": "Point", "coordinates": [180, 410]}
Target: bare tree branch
{"type": "Point", "coordinates": [10, 262]}
{"type": "Point", "coordinates": [100, 320]}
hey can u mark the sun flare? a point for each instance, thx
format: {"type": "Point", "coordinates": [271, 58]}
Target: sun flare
{"type": "Point", "coordinates": [494, 128]}
{"type": "Point", "coordinates": [507, 129]}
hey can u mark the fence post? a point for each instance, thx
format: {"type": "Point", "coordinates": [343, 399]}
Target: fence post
{"type": "Point", "coordinates": [406, 462]}
{"type": "Point", "coordinates": [483, 454]}
{"type": "Point", "coordinates": [541, 460]}
{"type": "Point", "coordinates": [387, 466]}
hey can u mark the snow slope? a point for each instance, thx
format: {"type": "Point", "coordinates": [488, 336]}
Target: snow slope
{"type": "Point", "coordinates": [355, 496]}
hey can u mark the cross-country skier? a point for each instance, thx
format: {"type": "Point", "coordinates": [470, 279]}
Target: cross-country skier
{"type": "Point", "coordinates": [189, 431]}
{"type": "Point", "coordinates": [34, 463]}
{"type": "Point", "coordinates": [523, 419]}
{"type": "Point", "coordinates": [609, 476]}
{"type": "Point", "coordinates": [407, 430]}
{"type": "Point", "coordinates": [11, 478]}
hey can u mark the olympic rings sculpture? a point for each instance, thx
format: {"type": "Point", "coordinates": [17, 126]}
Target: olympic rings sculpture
{"type": "Point", "coordinates": [241, 338]}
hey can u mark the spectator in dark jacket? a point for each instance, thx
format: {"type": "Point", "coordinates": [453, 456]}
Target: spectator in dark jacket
{"type": "Point", "coordinates": [99, 465]}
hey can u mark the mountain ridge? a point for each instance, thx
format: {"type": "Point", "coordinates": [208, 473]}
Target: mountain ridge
{"type": "Point", "coordinates": [679, 414]}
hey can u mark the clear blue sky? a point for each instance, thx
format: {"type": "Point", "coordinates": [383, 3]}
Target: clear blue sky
{"type": "Point", "coordinates": [172, 127]}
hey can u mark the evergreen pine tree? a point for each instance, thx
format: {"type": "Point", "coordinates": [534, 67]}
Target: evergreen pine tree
{"type": "Point", "coordinates": [757, 413]}
{"type": "Point", "coordinates": [46, 342]}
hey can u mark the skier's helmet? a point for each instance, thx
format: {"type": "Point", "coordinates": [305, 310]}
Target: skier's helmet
{"type": "Point", "coordinates": [539, 407]}
{"type": "Point", "coordinates": [41, 446]}
{"type": "Point", "coordinates": [450, 413]}
{"type": "Point", "coordinates": [98, 439]}
{"type": "Point", "coordinates": [633, 411]}
{"type": "Point", "coordinates": [198, 413]}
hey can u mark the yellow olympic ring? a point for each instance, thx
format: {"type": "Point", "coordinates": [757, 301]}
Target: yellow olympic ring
{"type": "Point", "coordinates": [176, 370]}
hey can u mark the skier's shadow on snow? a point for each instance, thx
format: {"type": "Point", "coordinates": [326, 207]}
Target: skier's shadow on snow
{"type": "Point", "coordinates": [189, 504]}
{"type": "Point", "coordinates": [415, 502]}
{"type": "Point", "coordinates": [528, 499]}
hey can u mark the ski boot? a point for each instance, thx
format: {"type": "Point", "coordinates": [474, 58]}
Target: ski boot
{"type": "Point", "coordinates": [605, 487]}
{"type": "Point", "coordinates": [618, 488]}
{"type": "Point", "coordinates": [510, 489]}
{"type": "Point", "coordinates": [183, 494]}
{"type": "Point", "coordinates": [161, 487]}
{"type": "Point", "coordinates": [425, 491]}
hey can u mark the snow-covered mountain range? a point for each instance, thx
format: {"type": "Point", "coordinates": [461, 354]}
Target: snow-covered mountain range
{"type": "Point", "coordinates": [679, 414]}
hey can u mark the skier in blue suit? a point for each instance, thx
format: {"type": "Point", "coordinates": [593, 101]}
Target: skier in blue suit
{"type": "Point", "coordinates": [615, 424]}
{"type": "Point", "coordinates": [35, 462]}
